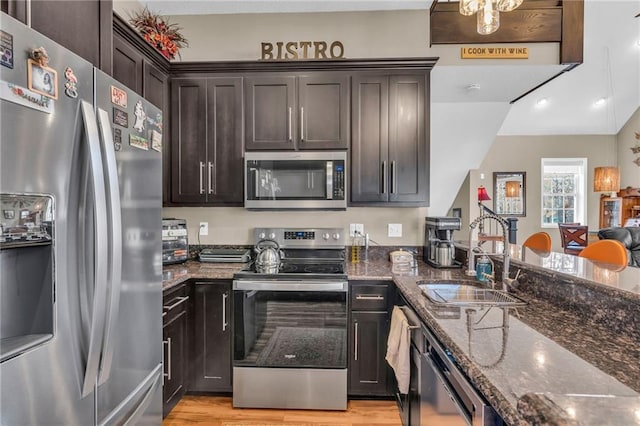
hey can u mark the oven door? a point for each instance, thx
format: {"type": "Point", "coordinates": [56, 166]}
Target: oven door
{"type": "Point", "coordinates": [290, 324]}
{"type": "Point", "coordinates": [293, 180]}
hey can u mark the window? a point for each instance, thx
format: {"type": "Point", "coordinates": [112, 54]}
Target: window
{"type": "Point", "coordinates": [563, 191]}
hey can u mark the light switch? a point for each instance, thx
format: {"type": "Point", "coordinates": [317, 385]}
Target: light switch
{"type": "Point", "coordinates": [395, 230]}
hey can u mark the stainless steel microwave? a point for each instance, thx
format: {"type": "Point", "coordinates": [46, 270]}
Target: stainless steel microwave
{"type": "Point", "coordinates": [296, 180]}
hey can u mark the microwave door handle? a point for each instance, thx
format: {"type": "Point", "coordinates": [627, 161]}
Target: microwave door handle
{"type": "Point", "coordinates": [256, 182]}
{"type": "Point", "coordinates": [100, 240]}
{"type": "Point", "coordinates": [329, 180]}
{"type": "Point", "coordinates": [115, 221]}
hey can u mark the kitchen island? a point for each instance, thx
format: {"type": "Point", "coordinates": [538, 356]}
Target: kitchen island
{"type": "Point", "coordinates": [550, 364]}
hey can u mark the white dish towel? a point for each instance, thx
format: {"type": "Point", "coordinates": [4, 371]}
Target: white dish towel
{"type": "Point", "coordinates": [399, 348]}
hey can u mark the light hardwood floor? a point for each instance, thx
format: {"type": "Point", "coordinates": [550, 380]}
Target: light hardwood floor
{"type": "Point", "coordinates": [217, 411]}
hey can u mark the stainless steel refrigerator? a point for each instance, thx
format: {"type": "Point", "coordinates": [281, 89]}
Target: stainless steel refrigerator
{"type": "Point", "coordinates": [81, 323]}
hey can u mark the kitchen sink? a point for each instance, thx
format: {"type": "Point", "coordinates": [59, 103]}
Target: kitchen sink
{"type": "Point", "coordinates": [455, 294]}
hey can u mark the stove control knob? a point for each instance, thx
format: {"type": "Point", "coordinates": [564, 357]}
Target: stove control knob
{"type": "Point", "coordinates": [262, 235]}
{"type": "Point", "coordinates": [336, 236]}
{"type": "Point", "coordinates": [325, 236]}
{"type": "Point", "coordinates": [272, 236]}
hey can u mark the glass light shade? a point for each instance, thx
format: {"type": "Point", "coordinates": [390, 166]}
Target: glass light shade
{"type": "Point", "coordinates": [488, 18]}
{"type": "Point", "coordinates": [508, 5]}
{"type": "Point", "coordinates": [482, 194]}
{"type": "Point", "coordinates": [469, 7]}
{"type": "Point", "coordinates": [606, 179]}
{"type": "Point", "coordinates": [512, 189]}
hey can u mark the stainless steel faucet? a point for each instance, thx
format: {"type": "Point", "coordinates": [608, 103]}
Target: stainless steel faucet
{"type": "Point", "coordinates": [506, 281]}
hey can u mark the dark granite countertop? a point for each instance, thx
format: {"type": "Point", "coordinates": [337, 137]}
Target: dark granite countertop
{"type": "Point", "coordinates": [549, 365]}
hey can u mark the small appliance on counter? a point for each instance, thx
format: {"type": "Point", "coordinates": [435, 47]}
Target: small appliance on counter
{"type": "Point", "coordinates": [439, 251]}
{"type": "Point", "coordinates": [175, 243]}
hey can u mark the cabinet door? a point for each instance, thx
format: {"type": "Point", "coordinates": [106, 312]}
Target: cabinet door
{"type": "Point", "coordinates": [224, 141]}
{"type": "Point", "coordinates": [84, 27]}
{"type": "Point", "coordinates": [370, 138]}
{"type": "Point", "coordinates": [367, 349]}
{"type": "Point", "coordinates": [212, 345]}
{"type": "Point", "coordinates": [127, 65]}
{"type": "Point", "coordinates": [610, 212]}
{"type": "Point", "coordinates": [175, 344]}
{"type": "Point", "coordinates": [408, 153]}
{"type": "Point", "coordinates": [270, 112]}
{"type": "Point", "coordinates": [188, 141]}
{"type": "Point", "coordinates": [323, 111]}
{"type": "Point", "coordinates": [155, 85]}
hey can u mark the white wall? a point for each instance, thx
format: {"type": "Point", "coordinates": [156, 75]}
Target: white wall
{"type": "Point", "coordinates": [629, 170]}
{"type": "Point", "coordinates": [229, 225]}
{"type": "Point", "coordinates": [524, 153]}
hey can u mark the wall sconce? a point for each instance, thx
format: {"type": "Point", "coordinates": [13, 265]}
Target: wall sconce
{"type": "Point", "coordinates": [606, 179]}
{"type": "Point", "coordinates": [512, 189]}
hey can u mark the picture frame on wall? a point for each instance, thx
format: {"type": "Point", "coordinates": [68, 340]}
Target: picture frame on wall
{"type": "Point", "coordinates": [42, 80]}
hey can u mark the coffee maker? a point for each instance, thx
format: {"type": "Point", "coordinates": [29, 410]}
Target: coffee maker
{"type": "Point", "coordinates": [439, 251]}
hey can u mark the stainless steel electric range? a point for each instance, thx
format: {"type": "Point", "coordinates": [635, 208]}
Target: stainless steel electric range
{"type": "Point", "coordinates": [290, 326]}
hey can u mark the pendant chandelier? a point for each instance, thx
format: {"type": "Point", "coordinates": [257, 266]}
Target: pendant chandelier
{"type": "Point", "coordinates": [488, 12]}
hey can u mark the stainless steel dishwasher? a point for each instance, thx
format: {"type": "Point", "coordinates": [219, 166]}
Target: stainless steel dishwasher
{"type": "Point", "coordinates": [439, 393]}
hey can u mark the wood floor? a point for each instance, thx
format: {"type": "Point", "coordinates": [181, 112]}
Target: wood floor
{"type": "Point", "coordinates": [217, 411]}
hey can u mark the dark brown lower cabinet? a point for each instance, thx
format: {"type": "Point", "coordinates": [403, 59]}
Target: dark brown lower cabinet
{"type": "Point", "coordinates": [369, 321]}
{"type": "Point", "coordinates": [211, 360]}
{"type": "Point", "coordinates": [175, 349]}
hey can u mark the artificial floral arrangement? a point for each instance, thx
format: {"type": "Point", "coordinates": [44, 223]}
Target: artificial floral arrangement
{"type": "Point", "coordinates": [158, 32]}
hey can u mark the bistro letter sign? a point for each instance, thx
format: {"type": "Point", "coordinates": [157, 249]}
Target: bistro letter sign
{"type": "Point", "coordinates": [302, 50]}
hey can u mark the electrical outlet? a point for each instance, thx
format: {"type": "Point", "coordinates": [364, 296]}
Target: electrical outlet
{"type": "Point", "coordinates": [204, 228]}
{"type": "Point", "coordinates": [356, 227]}
{"type": "Point", "coordinates": [395, 230]}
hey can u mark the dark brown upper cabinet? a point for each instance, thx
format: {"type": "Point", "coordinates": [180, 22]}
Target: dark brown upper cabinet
{"type": "Point", "coordinates": [390, 149]}
{"type": "Point", "coordinates": [286, 112]}
{"type": "Point", "coordinates": [84, 27]}
{"type": "Point", "coordinates": [206, 149]}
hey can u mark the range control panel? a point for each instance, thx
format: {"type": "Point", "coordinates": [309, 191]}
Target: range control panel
{"type": "Point", "coordinates": [302, 237]}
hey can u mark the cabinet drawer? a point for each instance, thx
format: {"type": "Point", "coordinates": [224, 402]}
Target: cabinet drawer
{"type": "Point", "coordinates": [369, 297]}
{"type": "Point", "coordinates": [174, 302]}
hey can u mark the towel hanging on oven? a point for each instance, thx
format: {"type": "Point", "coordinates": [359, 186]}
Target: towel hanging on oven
{"type": "Point", "coordinates": [399, 348]}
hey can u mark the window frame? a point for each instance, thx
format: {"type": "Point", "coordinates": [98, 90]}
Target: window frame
{"type": "Point", "coordinates": [580, 204]}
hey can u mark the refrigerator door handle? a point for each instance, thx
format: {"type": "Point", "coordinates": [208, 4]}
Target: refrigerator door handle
{"type": "Point", "coordinates": [98, 313]}
{"type": "Point", "coordinates": [115, 241]}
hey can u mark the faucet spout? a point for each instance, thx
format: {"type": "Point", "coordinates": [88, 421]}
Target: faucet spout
{"type": "Point", "coordinates": [505, 243]}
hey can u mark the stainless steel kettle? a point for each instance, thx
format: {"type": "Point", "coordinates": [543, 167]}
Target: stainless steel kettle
{"type": "Point", "coordinates": [267, 257]}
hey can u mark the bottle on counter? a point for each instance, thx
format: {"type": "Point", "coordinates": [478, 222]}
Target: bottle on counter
{"type": "Point", "coordinates": [483, 267]}
{"type": "Point", "coordinates": [356, 248]}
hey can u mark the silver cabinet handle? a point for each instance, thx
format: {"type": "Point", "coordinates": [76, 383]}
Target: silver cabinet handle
{"type": "Point", "coordinates": [355, 344]}
{"type": "Point", "coordinates": [100, 241]}
{"type": "Point", "coordinates": [115, 243]}
{"type": "Point", "coordinates": [224, 311]}
{"type": "Point", "coordinates": [290, 130]}
{"type": "Point", "coordinates": [384, 177]}
{"type": "Point", "coordinates": [180, 301]}
{"type": "Point", "coordinates": [301, 124]}
{"type": "Point", "coordinates": [210, 171]}
{"type": "Point", "coordinates": [393, 177]}
{"type": "Point", "coordinates": [168, 343]}
{"type": "Point", "coordinates": [373, 297]}
{"type": "Point", "coordinates": [201, 177]}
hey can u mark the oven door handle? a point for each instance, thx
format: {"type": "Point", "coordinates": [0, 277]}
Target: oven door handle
{"type": "Point", "coordinates": [311, 285]}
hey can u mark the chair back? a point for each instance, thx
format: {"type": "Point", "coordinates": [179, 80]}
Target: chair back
{"type": "Point", "coordinates": [606, 251]}
{"type": "Point", "coordinates": [573, 237]}
{"type": "Point", "coordinates": [538, 241]}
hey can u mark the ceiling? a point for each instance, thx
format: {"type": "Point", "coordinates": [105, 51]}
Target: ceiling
{"type": "Point", "coordinates": [611, 68]}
